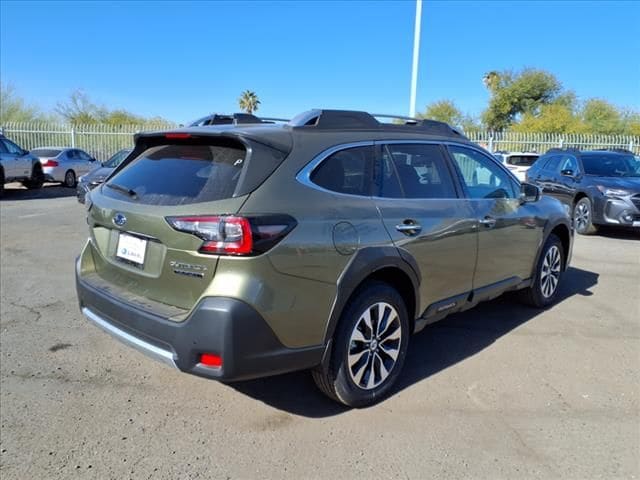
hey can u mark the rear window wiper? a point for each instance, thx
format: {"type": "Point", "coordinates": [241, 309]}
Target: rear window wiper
{"type": "Point", "coordinates": [120, 188]}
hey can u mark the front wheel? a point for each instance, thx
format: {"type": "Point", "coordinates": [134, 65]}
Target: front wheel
{"type": "Point", "coordinates": [70, 179]}
{"type": "Point", "coordinates": [546, 281]}
{"type": "Point", "coordinates": [583, 217]}
{"type": "Point", "coordinates": [369, 347]}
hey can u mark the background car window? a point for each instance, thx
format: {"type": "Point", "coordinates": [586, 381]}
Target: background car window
{"type": "Point", "coordinates": [3, 149]}
{"type": "Point", "coordinates": [552, 163]}
{"type": "Point", "coordinates": [81, 155]}
{"type": "Point", "coordinates": [347, 171]}
{"type": "Point", "coordinates": [481, 175]}
{"type": "Point", "coordinates": [421, 169]}
{"type": "Point", "coordinates": [568, 162]}
{"type": "Point", "coordinates": [12, 147]}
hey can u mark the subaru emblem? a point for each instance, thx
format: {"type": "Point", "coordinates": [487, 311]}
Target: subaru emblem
{"type": "Point", "coordinates": [119, 219]}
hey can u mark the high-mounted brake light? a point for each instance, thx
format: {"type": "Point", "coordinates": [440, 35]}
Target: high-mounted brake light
{"type": "Point", "coordinates": [232, 235]}
{"type": "Point", "coordinates": [176, 135]}
{"type": "Point", "coordinates": [50, 163]}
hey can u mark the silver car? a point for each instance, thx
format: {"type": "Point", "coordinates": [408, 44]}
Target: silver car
{"type": "Point", "coordinates": [64, 165]}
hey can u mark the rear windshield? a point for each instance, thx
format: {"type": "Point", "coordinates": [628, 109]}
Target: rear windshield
{"type": "Point", "coordinates": [180, 174]}
{"type": "Point", "coordinates": [45, 152]}
{"type": "Point", "coordinates": [522, 160]}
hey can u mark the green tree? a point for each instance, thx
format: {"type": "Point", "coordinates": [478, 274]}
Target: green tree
{"type": "Point", "coordinates": [554, 118]}
{"type": "Point", "coordinates": [443, 111]}
{"type": "Point", "coordinates": [14, 109]}
{"type": "Point", "coordinates": [600, 116]}
{"type": "Point", "coordinates": [515, 94]}
{"type": "Point", "coordinates": [248, 101]}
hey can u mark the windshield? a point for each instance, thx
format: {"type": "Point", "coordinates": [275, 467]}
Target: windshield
{"type": "Point", "coordinates": [609, 165]}
{"type": "Point", "coordinates": [117, 159]}
{"type": "Point", "coordinates": [45, 152]}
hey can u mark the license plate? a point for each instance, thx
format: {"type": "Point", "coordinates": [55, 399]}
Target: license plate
{"type": "Point", "coordinates": [131, 248]}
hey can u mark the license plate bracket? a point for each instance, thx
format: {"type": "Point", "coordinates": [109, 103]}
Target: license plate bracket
{"type": "Point", "coordinates": [131, 249]}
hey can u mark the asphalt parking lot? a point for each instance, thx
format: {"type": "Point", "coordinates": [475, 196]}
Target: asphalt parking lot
{"type": "Point", "coordinates": [502, 391]}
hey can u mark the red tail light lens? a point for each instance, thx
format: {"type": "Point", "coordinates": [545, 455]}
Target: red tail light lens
{"type": "Point", "coordinates": [231, 235]}
{"type": "Point", "coordinates": [211, 360]}
{"type": "Point", "coordinates": [177, 135]}
{"type": "Point", "coordinates": [50, 163]}
{"type": "Point", "coordinates": [221, 234]}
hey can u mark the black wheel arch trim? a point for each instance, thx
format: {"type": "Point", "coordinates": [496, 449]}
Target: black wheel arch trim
{"type": "Point", "coordinates": [365, 263]}
{"type": "Point", "coordinates": [549, 228]}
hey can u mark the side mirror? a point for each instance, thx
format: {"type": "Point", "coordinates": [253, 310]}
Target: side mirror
{"type": "Point", "coordinates": [567, 173]}
{"type": "Point", "coordinates": [92, 159]}
{"type": "Point", "coordinates": [25, 152]}
{"type": "Point", "coordinates": [529, 193]}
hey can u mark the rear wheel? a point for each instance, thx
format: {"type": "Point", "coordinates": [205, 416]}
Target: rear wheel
{"type": "Point", "coordinates": [70, 179]}
{"type": "Point", "coordinates": [583, 217]}
{"type": "Point", "coordinates": [546, 282]}
{"type": "Point", "coordinates": [369, 347]}
{"type": "Point", "coordinates": [1, 182]}
{"type": "Point", "coordinates": [37, 178]}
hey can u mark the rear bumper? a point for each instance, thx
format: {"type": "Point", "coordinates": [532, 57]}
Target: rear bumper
{"type": "Point", "coordinates": [224, 326]}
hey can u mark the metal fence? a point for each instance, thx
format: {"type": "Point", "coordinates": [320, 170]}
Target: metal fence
{"type": "Point", "coordinates": [102, 141]}
{"type": "Point", "coordinates": [99, 140]}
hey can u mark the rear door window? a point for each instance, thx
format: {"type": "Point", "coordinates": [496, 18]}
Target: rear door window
{"type": "Point", "coordinates": [180, 174]}
{"type": "Point", "coordinates": [348, 171]}
{"type": "Point", "coordinates": [421, 170]}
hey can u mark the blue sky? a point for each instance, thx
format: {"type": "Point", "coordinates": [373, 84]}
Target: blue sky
{"type": "Point", "coordinates": [180, 60]}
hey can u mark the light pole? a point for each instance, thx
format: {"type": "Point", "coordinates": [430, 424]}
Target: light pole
{"type": "Point", "coordinates": [416, 55]}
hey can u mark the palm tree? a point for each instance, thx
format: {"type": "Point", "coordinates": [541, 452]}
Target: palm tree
{"type": "Point", "coordinates": [491, 80]}
{"type": "Point", "coordinates": [249, 101]}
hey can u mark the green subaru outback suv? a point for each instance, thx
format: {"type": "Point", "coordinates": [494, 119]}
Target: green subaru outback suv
{"type": "Point", "coordinates": [235, 252]}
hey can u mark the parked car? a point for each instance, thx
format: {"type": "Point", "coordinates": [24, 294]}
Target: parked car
{"type": "Point", "coordinates": [64, 165]}
{"type": "Point", "coordinates": [18, 165]}
{"type": "Point", "coordinates": [98, 175]}
{"type": "Point", "coordinates": [324, 244]}
{"type": "Point", "coordinates": [600, 187]}
{"type": "Point", "coordinates": [517, 162]}
{"type": "Point", "coordinates": [232, 119]}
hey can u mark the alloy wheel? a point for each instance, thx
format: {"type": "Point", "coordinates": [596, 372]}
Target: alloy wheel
{"type": "Point", "coordinates": [581, 217]}
{"type": "Point", "coordinates": [374, 345]}
{"type": "Point", "coordinates": [550, 274]}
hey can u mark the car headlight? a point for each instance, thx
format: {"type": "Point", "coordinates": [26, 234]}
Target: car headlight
{"type": "Point", "coordinates": [613, 192]}
{"type": "Point", "coordinates": [81, 178]}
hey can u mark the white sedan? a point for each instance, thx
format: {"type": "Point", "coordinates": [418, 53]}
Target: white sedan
{"type": "Point", "coordinates": [64, 165]}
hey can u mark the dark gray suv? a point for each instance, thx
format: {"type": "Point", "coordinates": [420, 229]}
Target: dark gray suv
{"type": "Point", "coordinates": [240, 251]}
{"type": "Point", "coordinates": [600, 187]}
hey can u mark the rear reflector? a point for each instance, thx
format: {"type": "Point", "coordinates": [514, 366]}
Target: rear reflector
{"type": "Point", "coordinates": [50, 163]}
{"type": "Point", "coordinates": [211, 360]}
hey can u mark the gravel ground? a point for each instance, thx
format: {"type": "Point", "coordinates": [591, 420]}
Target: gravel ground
{"type": "Point", "coordinates": [501, 391]}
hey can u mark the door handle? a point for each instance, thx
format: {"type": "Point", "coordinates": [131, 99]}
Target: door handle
{"type": "Point", "coordinates": [409, 228]}
{"type": "Point", "coordinates": [488, 222]}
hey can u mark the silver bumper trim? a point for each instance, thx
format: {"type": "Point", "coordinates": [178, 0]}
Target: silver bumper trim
{"type": "Point", "coordinates": [157, 353]}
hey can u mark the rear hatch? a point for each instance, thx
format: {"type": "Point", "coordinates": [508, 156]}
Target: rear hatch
{"type": "Point", "coordinates": [151, 221]}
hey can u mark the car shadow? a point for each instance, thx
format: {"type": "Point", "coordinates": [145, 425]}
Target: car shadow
{"type": "Point", "coordinates": [15, 191]}
{"type": "Point", "coordinates": [619, 233]}
{"type": "Point", "coordinates": [434, 349]}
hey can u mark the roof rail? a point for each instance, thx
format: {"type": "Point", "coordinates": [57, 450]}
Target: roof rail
{"type": "Point", "coordinates": [351, 119]}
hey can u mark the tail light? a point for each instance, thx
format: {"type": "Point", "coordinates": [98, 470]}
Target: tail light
{"type": "Point", "coordinates": [50, 163]}
{"type": "Point", "coordinates": [231, 235]}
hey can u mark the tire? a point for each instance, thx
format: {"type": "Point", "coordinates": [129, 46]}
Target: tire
{"type": "Point", "coordinates": [546, 282]}
{"type": "Point", "coordinates": [583, 217]}
{"type": "Point", "coordinates": [355, 375]}
{"type": "Point", "coordinates": [70, 179]}
{"type": "Point", "coordinates": [37, 178]}
{"type": "Point", "coordinates": [1, 183]}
